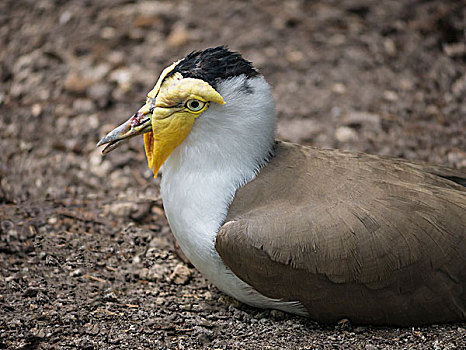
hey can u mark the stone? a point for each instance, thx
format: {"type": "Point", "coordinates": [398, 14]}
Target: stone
{"type": "Point", "coordinates": [181, 274]}
{"type": "Point", "coordinates": [155, 273]}
{"type": "Point", "coordinates": [297, 130]}
{"type": "Point", "coordinates": [370, 347]}
{"type": "Point", "coordinates": [122, 210]}
{"type": "Point", "coordinates": [346, 134]}
{"type": "Point", "coordinates": [76, 273]}
{"type": "Point", "coordinates": [179, 36]}
{"type": "Point", "coordinates": [123, 77]}
{"type": "Point", "coordinates": [362, 119]}
{"type": "Point", "coordinates": [100, 94]}
{"type": "Point", "coordinates": [83, 106]}
{"type": "Point", "coordinates": [339, 88]}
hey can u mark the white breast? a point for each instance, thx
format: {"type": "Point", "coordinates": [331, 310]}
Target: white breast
{"type": "Point", "coordinates": [224, 150]}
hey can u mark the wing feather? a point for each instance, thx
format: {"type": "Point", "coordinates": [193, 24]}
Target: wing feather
{"type": "Point", "coordinates": [348, 235]}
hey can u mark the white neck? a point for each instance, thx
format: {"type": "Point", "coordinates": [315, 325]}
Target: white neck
{"type": "Point", "coordinates": [225, 149]}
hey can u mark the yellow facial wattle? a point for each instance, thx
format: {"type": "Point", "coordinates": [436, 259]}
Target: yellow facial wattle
{"type": "Point", "coordinates": [166, 135]}
{"type": "Point", "coordinates": [171, 109]}
{"type": "Point", "coordinates": [172, 117]}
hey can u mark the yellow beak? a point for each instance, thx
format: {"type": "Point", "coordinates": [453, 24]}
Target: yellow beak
{"type": "Point", "coordinates": [163, 128]}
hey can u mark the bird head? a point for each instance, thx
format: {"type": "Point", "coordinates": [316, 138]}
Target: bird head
{"type": "Point", "coordinates": [183, 92]}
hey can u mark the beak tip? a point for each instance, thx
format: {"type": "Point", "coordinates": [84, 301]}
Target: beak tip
{"type": "Point", "coordinates": [108, 148]}
{"type": "Point", "coordinates": [123, 133]}
{"type": "Point", "coordinates": [103, 141]}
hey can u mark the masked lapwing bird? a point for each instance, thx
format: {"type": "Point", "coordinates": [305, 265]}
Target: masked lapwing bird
{"type": "Point", "coordinates": [323, 233]}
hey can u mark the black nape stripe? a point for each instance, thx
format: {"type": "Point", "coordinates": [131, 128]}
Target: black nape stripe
{"type": "Point", "coordinates": [246, 88]}
{"type": "Point", "coordinates": [214, 65]}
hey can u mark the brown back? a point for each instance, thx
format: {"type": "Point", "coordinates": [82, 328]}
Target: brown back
{"type": "Point", "coordinates": [375, 240]}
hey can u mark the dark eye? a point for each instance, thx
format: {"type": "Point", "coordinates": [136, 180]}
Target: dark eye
{"type": "Point", "coordinates": [195, 105]}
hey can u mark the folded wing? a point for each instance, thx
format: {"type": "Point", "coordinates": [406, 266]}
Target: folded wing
{"type": "Point", "coordinates": [375, 240]}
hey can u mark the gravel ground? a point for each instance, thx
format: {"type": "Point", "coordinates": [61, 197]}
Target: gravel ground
{"type": "Point", "coordinates": [87, 259]}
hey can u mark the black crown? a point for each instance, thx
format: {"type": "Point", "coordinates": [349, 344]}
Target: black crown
{"type": "Point", "coordinates": [214, 65]}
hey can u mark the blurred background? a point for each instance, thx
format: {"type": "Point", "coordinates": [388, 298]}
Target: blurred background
{"type": "Point", "coordinates": [384, 77]}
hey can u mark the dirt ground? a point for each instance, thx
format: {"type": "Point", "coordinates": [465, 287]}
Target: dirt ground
{"type": "Point", "coordinates": [87, 259]}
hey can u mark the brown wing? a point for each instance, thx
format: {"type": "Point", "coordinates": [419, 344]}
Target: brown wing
{"type": "Point", "coordinates": [351, 236]}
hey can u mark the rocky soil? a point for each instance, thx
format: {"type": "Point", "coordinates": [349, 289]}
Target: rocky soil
{"type": "Point", "coordinates": [87, 259]}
